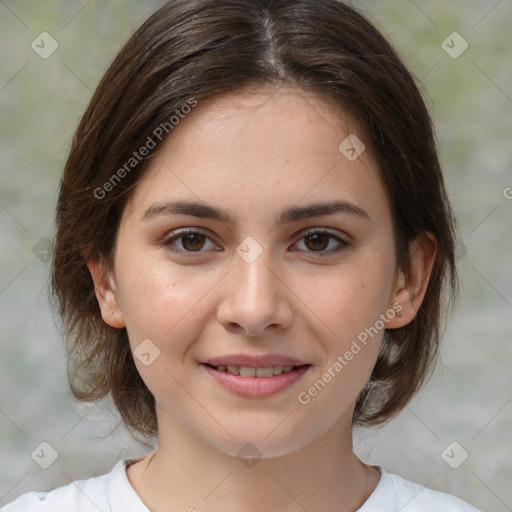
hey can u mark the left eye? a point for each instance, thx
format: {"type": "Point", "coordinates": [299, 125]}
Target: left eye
{"type": "Point", "coordinates": [318, 241]}
{"type": "Point", "coordinates": [194, 241]}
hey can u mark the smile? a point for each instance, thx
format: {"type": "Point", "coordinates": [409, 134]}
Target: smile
{"type": "Point", "coordinates": [255, 382]}
{"type": "Point", "coordinates": [249, 371]}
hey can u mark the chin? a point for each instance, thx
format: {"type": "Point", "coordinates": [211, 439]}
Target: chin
{"type": "Point", "coordinates": [260, 439]}
{"type": "Point", "coordinates": [254, 448]}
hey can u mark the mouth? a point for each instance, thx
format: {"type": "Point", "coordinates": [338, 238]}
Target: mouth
{"type": "Point", "coordinates": [255, 377]}
{"type": "Point", "coordinates": [251, 371]}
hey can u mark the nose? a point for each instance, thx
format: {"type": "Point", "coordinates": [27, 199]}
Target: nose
{"type": "Point", "coordinates": [255, 299]}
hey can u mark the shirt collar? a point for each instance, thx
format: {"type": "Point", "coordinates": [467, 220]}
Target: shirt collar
{"type": "Point", "coordinates": [122, 496]}
{"type": "Point", "coordinates": [120, 493]}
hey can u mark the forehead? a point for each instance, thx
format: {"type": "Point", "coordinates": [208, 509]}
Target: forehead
{"type": "Point", "coordinates": [260, 149]}
{"type": "Point", "coordinates": [266, 111]}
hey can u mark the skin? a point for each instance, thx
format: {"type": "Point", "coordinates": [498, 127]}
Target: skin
{"type": "Point", "coordinates": [256, 153]}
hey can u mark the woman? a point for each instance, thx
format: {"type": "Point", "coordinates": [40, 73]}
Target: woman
{"type": "Point", "coordinates": [253, 244]}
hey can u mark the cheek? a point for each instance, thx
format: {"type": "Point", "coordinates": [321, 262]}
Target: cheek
{"type": "Point", "coordinates": [350, 304]}
{"type": "Point", "coordinates": [352, 298]}
{"type": "Point", "coordinates": [166, 305]}
{"type": "Point", "coordinates": [159, 300]}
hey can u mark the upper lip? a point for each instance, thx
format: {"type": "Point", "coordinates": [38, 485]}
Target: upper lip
{"type": "Point", "coordinates": [250, 361]}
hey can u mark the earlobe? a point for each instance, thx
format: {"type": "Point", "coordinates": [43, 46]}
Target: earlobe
{"type": "Point", "coordinates": [410, 287]}
{"type": "Point", "coordinates": [106, 294]}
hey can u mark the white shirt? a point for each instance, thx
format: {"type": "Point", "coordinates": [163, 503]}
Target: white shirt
{"type": "Point", "coordinates": [114, 493]}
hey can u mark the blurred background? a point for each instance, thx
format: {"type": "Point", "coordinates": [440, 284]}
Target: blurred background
{"type": "Point", "coordinates": [455, 436]}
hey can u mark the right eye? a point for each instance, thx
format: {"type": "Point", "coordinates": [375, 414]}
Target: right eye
{"type": "Point", "coordinates": [191, 241]}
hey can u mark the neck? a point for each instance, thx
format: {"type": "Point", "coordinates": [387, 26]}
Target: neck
{"type": "Point", "coordinates": [187, 473]}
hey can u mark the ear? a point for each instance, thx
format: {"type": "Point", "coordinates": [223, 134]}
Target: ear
{"type": "Point", "coordinates": [410, 287]}
{"type": "Point", "coordinates": [106, 292]}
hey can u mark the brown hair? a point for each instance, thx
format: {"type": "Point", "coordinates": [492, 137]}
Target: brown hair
{"type": "Point", "coordinates": [191, 50]}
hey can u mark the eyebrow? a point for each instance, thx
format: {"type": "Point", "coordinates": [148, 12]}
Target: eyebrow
{"type": "Point", "coordinates": [293, 214]}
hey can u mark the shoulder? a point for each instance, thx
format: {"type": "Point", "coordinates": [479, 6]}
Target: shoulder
{"type": "Point", "coordinates": [395, 493]}
{"type": "Point", "coordinates": [102, 493]}
{"type": "Point", "coordinates": [81, 495]}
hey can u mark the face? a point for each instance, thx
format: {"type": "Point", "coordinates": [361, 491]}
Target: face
{"type": "Point", "coordinates": [253, 316]}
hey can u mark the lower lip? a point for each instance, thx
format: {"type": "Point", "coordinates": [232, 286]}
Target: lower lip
{"type": "Point", "coordinates": [256, 387]}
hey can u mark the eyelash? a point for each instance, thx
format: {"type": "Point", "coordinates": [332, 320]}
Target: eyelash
{"type": "Point", "coordinates": [168, 242]}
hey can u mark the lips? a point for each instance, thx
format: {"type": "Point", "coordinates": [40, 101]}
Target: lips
{"type": "Point", "coordinates": [255, 376]}
{"type": "Point", "coordinates": [251, 361]}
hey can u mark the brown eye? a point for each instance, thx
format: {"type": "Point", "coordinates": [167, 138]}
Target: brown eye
{"type": "Point", "coordinates": [187, 242]}
{"type": "Point", "coordinates": [319, 241]}
{"type": "Point", "coordinates": [192, 241]}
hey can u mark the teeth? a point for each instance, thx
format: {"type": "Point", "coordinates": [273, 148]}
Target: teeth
{"type": "Point", "coordinates": [246, 371]}
{"type": "Point", "coordinates": [249, 371]}
{"type": "Point", "coordinates": [264, 372]}
{"type": "Point", "coordinates": [278, 370]}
